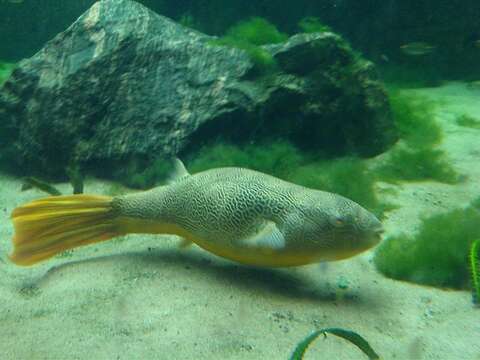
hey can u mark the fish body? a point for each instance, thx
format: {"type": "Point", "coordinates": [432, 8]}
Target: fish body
{"type": "Point", "coordinates": [239, 214]}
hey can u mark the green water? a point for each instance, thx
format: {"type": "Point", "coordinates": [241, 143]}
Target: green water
{"type": "Point", "coordinates": [414, 296]}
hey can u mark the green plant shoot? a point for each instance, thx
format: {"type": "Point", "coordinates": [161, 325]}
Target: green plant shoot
{"type": "Point", "coordinates": [474, 265]}
{"type": "Point", "coordinates": [348, 335]}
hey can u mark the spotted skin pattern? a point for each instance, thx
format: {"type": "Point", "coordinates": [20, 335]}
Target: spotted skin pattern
{"type": "Point", "coordinates": [255, 218]}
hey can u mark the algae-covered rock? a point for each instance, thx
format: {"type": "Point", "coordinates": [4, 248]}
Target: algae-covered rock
{"type": "Point", "coordinates": [344, 106]}
{"type": "Point", "coordinates": [124, 83]}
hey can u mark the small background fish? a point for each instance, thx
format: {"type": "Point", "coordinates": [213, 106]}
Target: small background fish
{"type": "Point", "coordinates": [417, 48]}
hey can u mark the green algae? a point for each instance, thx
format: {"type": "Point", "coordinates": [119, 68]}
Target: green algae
{"type": "Point", "coordinates": [312, 24]}
{"type": "Point", "coordinates": [468, 121]}
{"type": "Point", "coordinates": [249, 35]}
{"type": "Point", "coordinates": [417, 159]}
{"type": "Point", "coordinates": [437, 254]}
{"type": "Point", "coordinates": [405, 164]}
{"type": "Point", "coordinates": [5, 71]}
{"type": "Point", "coordinates": [414, 117]}
{"type": "Point", "coordinates": [256, 31]}
{"type": "Point", "coordinates": [275, 158]}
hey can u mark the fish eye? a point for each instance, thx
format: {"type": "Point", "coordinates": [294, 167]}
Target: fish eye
{"type": "Point", "coordinates": [338, 222]}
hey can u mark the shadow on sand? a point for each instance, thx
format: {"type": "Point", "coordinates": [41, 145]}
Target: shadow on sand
{"type": "Point", "coordinates": [289, 283]}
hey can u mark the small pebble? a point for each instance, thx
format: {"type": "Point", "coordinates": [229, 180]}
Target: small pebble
{"type": "Point", "coordinates": [343, 283]}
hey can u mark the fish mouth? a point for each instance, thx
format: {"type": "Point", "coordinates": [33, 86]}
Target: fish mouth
{"type": "Point", "coordinates": [375, 235]}
{"type": "Point", "coordinates": [379, 231]}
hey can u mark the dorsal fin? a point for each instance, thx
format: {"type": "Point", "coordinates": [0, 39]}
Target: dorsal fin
{"type": "Point", "coordinates": [178, 172]}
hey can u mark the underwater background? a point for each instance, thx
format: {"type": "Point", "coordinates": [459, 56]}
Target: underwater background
{"type": "Point", "coordinates": [377, 101]}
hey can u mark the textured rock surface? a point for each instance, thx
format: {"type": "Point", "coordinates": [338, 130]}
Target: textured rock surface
{"type": "Point", "coordinates": [125, 83]}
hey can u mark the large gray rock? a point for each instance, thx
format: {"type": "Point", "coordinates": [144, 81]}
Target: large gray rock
{"type": "Point", "coordinates": [123, 83]}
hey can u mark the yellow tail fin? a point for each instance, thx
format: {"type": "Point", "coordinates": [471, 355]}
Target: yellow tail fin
{"type": "Point", "coordinates": [46, 227]}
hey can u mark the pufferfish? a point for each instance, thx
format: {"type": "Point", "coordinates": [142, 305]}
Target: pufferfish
{"type": "Point", "coordinates": [236, 213]}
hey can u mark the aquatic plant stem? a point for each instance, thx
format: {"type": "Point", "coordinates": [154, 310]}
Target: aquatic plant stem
{"type": "Point", "coordinates": [474, 265]}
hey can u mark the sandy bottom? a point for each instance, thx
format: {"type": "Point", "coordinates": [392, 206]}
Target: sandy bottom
{"type": "Point", "coordinates": [140, 297]}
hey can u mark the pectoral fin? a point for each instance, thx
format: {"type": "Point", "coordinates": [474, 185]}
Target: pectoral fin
{"type": "Point", "coordinates": [268, 237]}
